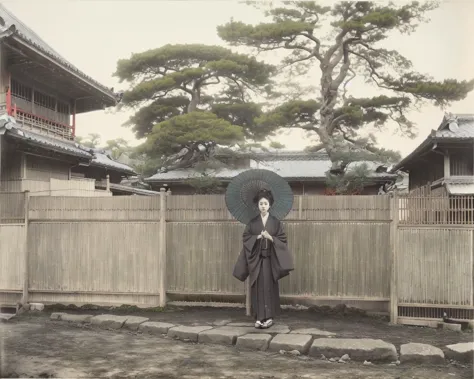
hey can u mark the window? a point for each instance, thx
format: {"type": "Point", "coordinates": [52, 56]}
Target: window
{"type": "Point", "coordinates": [21, 91]}
{"type": "Point", "coordinates": [45, 101]}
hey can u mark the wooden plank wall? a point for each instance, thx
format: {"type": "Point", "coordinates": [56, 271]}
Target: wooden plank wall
{"type": "Point", "coordinates": [106, 250]}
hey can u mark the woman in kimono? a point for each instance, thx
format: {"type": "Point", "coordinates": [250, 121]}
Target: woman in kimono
{"type": "Point", "coordinates": [265, 259]}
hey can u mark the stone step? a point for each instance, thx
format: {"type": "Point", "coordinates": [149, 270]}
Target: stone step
{"type": "Point", "coordinates": [358, 349]}
{"type": "Point", "coordinates": [317, 343]}
{"type": "Point", "coordinates": [4, 317]}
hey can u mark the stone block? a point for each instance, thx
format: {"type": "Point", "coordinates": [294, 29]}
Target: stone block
{"type": "Point", "coordinates": [448, 326]}
{"type": "Point", "coordinates": [313, 332]}
{"type": "Point", "coordinates": [420, 353]}
{"type": "Point", "coordinates": [187, 332]}
{"type": "Point", "coordinates": [38, 307]}
{"type": "Point", "coordinates": [225, 336]}
{"type": "Point", "coordinates": [254, 341]}
{"type": "Point", "coordinates": [359, 349]}
{"type": "Point", "coordinates": [109, 321]}
{"type": "Point", "coordinates": [288, 342]}
{"type": "Point", "coordinates": [155, 327]}
{"type": "Point", "coordinates": [76, 318]}
{"type": "Point", "coordinates": [133, 322]}
{"type": "Point", "coordinates": [461, 352]}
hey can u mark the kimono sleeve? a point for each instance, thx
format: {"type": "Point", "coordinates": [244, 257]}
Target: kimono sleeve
{"type": "Point", "coordinates": [241, 268]}
{"type": "Point", "coordinates": [284, 264]}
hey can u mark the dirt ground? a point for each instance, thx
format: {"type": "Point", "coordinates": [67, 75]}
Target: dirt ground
{"type": "Point", "coordinates": [33, 346]}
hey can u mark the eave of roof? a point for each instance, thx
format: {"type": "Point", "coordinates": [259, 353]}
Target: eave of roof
{"type": "Point", "coordinates": [128, 189]}
{"type": "Point", "coordinates": [38, 140]}
{"type": "Point", "coordinates": [465, 133]}
{"type": "Point", "coordinates": [15, 29]}
{"type": "Point", "coordinates": [102, 160]}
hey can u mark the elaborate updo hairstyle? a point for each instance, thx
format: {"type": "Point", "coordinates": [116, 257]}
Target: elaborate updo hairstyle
{"type": "Point", "coordinates": [264, 193]}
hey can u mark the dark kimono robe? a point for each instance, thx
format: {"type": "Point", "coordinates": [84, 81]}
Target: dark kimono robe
{"type": "Point", "coordinates": [264, 262]}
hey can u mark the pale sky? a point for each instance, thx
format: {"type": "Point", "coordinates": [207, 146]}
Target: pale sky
{"type": "Point", "coordinates": [94, 34]}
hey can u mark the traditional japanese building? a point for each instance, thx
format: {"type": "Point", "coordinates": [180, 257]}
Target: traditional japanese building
{"type": "Point", "coordinates": [443, 163]}
{"type": "Point", "coordinates": [40, 95]}
{"type": "Point", "coordinates": [305, 172]}
{"type": "Point", "coordinates": [441, 175]}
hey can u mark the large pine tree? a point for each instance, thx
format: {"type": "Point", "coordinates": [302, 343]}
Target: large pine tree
{"type": "Point", "coordinates": [342, 42]}
{"type": "Point", "coordinates": [190, 99]}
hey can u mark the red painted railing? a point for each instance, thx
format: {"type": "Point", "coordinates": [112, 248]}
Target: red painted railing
{"type": "Point", "coordinates": [63, 130]}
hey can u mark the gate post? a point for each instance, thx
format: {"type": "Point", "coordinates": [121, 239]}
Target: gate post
{"type": "Point", "coordinates": [394, 211]}
{"type": "Point", "coordinates": [162, 249]}
{"type": "Point", "coordinates": [26, 252]}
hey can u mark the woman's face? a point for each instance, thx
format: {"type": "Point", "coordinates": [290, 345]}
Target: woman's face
{"type": "Point", "coordinates": [263, 205]}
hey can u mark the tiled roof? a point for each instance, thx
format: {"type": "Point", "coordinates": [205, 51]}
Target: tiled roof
{"type": "Point", "coordinates": [27, 35]}
{"type": "Point", "coordinates": [288, 169]}
{"type": "Point", "coordinates": [101, 159]}
{"type": "Point", "coordinates": [95, 157]}
{"type": "Point", "coordinates": [464, 129]}
{"type": "Point", "coordinates": [48, 142]}
{"type": "Point", "coordinates": [138, 191]}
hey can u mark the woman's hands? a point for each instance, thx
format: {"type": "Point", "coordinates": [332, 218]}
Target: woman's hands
{"type": "Point", "coordinates": [266, 235]}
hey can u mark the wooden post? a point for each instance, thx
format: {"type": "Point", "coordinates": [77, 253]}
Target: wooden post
{"type": "Point", "coordinates": [162, 249]}
{"type": "Point", "coordinates": [394, 259]}
{"type": "Point", "coordinates": [107, 183]}
{"type": "Point", "coordinates": [1, 144]}
{"type": "Point", "coordinates": [300, 207]}
{"type": "Point", "coordinates": [26, 260]}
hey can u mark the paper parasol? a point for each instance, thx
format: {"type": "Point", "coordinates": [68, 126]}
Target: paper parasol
{"type": "Point", "coordinates": [243, 188]}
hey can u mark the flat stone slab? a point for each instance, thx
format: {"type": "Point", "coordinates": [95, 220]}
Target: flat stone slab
{"type": "Point", "coordinates": [359, 349]}
{"type": "Point", "coordinates": [313, 332]}
{"type": "Point", "coordinates": [153, 327]}
{"type": "Point", "coordinates": [246, 324]}
{"type": "Point", "coordinates": [254, 341]}
{"type": "Point", "coordinates": [187, 332]}
{"type": "Point", "coordinates": [275, 329]}
{"type": "Point", "coordinates": [227, 336]}
{"type": "Point", "coordinates": [461, 352]}
{"type": "Point", "coordinates": [76, 318]}
{"type": "Point", "coordinates": [449, 326]}
{"type": "Point", "coordinates": [4, 317]}
{"type": "Point", "coordinates": [221, 322]}
{"type": "Point", "coordinates": [288, 342]}
{"type": "Point", "coordinates": [57, 315]}
{"type": "Point", "coordinates": [109, 321]}
{"type": "Point", "coordinates": [133, 322]}
{"type": "Point", "coordinates": [420, 353]}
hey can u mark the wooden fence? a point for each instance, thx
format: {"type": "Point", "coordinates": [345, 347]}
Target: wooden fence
{"type": "Point", "coordinates": [145, 250]}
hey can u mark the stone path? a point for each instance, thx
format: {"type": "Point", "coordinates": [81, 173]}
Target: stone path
{"type": "Point", "coordinates": [313, 342]}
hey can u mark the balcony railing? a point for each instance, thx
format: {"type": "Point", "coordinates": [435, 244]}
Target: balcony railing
{"type": "Point", "coordinates": [42, 125]}
{"type": "Point", "coordinates": [37, 118]}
